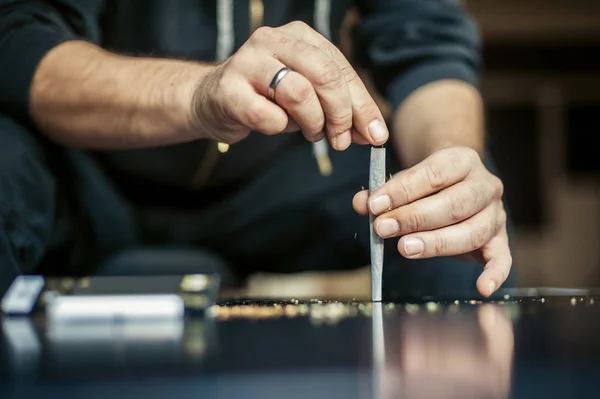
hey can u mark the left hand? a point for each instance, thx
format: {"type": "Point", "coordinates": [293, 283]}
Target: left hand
{"type": "Point", "coordinates": [447, 205]}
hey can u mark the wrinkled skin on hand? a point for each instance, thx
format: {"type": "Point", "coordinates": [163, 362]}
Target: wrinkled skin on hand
{"type": "Point", "coordinates": [447, 205]}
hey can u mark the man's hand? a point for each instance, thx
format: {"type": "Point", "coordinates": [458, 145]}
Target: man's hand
{"type": "Point", "coordinates": [449, 204]}
{"type": "Point", "coordinates": [86, 97]}
{"type": "Point", "coordinates": [322, 96]}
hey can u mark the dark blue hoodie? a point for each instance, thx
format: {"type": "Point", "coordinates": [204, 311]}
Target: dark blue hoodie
{"type": "Point", "coordinates": [404, 44]}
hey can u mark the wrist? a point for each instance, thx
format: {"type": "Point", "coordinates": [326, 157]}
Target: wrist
{"type": "Point", "coordinates": [438, 116]}
{"type": "Point", "coordinates": [470, 137]}
{"type": "Point", "coordinates": [433, 140]}
{"type": "Point", "coordinates": [202, 106]}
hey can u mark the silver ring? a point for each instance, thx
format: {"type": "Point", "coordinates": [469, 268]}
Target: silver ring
{"type": "Point", "coordinates": [275, 81]}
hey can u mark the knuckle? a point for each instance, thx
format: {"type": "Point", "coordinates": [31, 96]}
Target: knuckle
{"type": "Point", "coordinates": [455, 157]}
{"type": "Point", "coordinates": [469, 154]}
{"type": "Point", "coordinates": [300, 46]}
{"type": "Point", "coordinates": [436, 177]}
{"type": "Point", "coordinates": [327, 47]}
{"type": "Point", "coordinates": [404, 190]}
{"type": "Point", "coordinates": [261, 34]}
{"type": "Point", "coordinates": [300, 25]}
{"type": "Point", "coordinates": [365, 108]}
{"type": "Point", "coordinates": [253, 115]}
{"type": "Point", "coordinates": [498, 187]}
{"type": "Point", "coordinates": [440, 245]}
{"type": "Point", "coordinates": [267, 34]}
{"type": "Point", "coordinates": [330, 75]}
{"type": "Point", "coordinates": [349, 73]}
{"type": "Point", "coordinates": [476, 195]}
{"type": "Point", "coordinates": [479, 237]}
{"type": "Point", "coordinates": [502, 219]}
{"type": "Point", "coordinates": [300, 94]}
{"type": "Point", "coordinates": [340, 120]}
{"type": "Point", "coordinates": [415, 221]}
{"type": "Point", "coordinates": [457, 208]}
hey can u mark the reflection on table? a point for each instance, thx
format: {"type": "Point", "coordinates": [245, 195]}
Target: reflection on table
{"type": "Point", "coordinates": [312, 349]}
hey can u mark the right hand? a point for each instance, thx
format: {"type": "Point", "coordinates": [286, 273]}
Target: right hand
{"type": "Point", "coordinates": [322, 96]}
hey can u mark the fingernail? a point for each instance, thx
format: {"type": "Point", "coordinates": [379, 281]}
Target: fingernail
{"type": "Point", "coordinates": [343, 140]}
{"type": "Point", "coordinates": [380, 204]}
{"type": "Point", "coordinates": [378, 131]}
{"type": "Point", "coordinates": [387, 227]}
{"type": "Point", "coordinates": [414, 246]}
{"type": "Point", "coordinates": [492, 286]}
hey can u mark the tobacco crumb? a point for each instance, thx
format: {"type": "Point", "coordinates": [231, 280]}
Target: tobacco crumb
{"type": "Point", "coordinates": [543, 300]}
{"type": "Point", "coordinates": [291, 311]}
{"type": "Point", "coordinates": [573, 301]}
{"type": "Point", "coordinates": [506, 297]}
{"type": "Point", "coordinates": [412, 308]}
{"type": "Point", "coordinates": [316, 313]}
{"type": "Point", "coordinates": [303, 309]}
{"type": "Point", "coordinates": [431, 307]}
{"type": "Point", "coordinates": [366, 310]}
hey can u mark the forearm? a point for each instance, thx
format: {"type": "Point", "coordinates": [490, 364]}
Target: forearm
{"type": "Point", "coordinates": [83, 96]}
{"type": "Point", "coordinates": [438, 115]}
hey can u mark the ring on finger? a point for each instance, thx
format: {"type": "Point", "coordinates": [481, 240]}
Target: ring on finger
{"type": "Point", "coordinates": [275, 82]}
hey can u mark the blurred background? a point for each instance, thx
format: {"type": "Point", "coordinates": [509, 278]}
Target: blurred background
{"type": "Point", "coordinates": [542, 90]}
{"type": "Point", "coordinates": [542, 87]}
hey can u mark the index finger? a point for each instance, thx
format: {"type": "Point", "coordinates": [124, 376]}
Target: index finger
{"type": "Point", "coordinates": [366, 116]}
{"type": "Point", "coordinates": [441, 170]}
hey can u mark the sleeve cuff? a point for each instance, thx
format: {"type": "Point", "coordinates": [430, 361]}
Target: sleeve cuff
{"type": "Point", "coordinates": [407, 82]}
{"type": "Point", "coordinates": [24, 49]}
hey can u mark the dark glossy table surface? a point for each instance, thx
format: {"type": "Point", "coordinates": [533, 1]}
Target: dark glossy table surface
{"type": "Point", "coordinates": [527, 346]}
